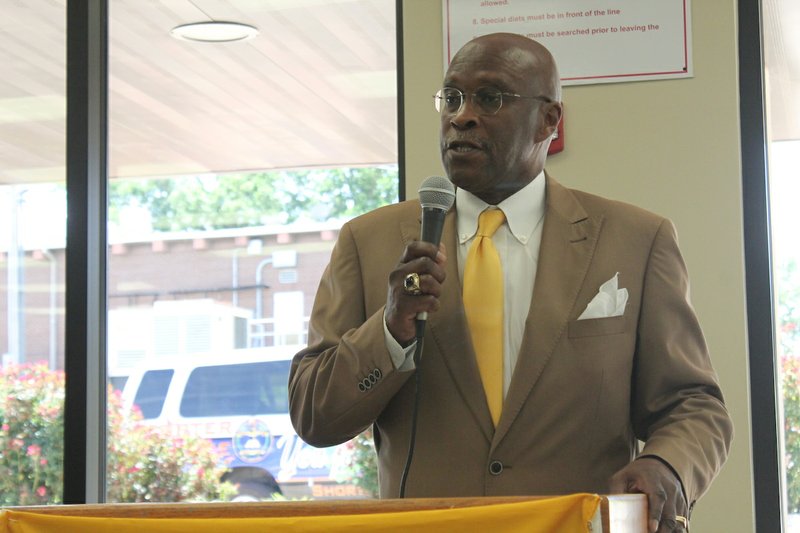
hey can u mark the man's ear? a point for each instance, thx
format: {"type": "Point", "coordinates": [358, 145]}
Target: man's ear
{"type": "Point", "coordinates": [552, 112]}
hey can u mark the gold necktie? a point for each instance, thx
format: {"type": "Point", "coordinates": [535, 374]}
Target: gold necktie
{"type": "Point", "coordinates": [483, 303]}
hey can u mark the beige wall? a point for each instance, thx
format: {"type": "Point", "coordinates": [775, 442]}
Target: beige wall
{"type": "Point", "coordinates": [669, 146]}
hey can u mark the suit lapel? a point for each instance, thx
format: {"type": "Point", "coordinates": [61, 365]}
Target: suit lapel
{"type": "Point", "coordinates": [568, 241]}
{"type": "Point", "coordinates": [447, 329]}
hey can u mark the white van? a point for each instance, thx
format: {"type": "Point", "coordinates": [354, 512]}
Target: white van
{"type": "Point", "coordinates": [238, 400]}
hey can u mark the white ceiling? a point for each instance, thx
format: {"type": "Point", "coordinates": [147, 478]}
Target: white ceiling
{"type": "Point", "coordinates": [317, 87]}
{"type": "Point", "coordinates": [782, 62]}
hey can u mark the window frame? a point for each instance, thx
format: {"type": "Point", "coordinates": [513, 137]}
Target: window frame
{"type": "Point", "coordinates": [86, 314]}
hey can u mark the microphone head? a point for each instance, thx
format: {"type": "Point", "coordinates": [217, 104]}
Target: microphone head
{"type": "Point", "coordinates": [437, 192]}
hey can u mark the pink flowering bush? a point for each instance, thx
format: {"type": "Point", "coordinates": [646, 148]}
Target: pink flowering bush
{"type": "Point", "coordinates": [788, 336]}
{"type": "Point", "coordinates": [790, 377]}
{"type": "Point", "coordinates": [360, 463]}
{"type": "Point", "coordinates": [144, 463]}
{"type": "Point", "coordinates": [31, 435]}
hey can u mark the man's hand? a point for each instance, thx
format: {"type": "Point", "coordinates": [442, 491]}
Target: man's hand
{"type": "Point", "coordinates": [428, 261]}
{"type": "Point", "coordinates": [665, 498]}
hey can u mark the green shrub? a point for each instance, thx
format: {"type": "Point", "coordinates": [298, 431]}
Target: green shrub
{"type": "Point", "coordinates": [144, 463]}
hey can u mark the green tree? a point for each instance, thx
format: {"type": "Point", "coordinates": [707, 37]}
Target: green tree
{"type": "Point", "coordinates": [788, 293]}
{"type": "Point", "coordinates": [337, 193]}
{"type": "Point", "coordinates": [254, 198]}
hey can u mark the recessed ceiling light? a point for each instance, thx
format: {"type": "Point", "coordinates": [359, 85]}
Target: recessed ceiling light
{"type": "Point", "coordinates": [215, 31]}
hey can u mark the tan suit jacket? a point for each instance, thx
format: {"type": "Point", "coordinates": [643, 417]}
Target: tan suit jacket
{"type": "Point", "coordinates": [583, 391]}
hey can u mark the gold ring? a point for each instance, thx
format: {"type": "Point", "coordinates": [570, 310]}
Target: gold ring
{"type": "Point", "coordinates": [682, 520]}
{"type": "Point", "coordinates": [411, 284]}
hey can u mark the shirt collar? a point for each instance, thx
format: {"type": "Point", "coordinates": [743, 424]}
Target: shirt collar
{"type": "Point", "coordinates": [524, 210]}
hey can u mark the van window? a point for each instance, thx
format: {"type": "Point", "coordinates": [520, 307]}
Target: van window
{"type": "Point", "coordinates": [152, 392]}
{"type": "Point", "coordinates": [239, 389]}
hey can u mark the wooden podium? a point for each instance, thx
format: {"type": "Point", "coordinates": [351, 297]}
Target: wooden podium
{"type": "Point", "coordinates": [617, 514]}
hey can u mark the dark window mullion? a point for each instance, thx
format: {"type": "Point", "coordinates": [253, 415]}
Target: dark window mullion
{"type": "Point", "coordinates": [87, 178]}
{"type": "Point", "coordinates": [767, 478]}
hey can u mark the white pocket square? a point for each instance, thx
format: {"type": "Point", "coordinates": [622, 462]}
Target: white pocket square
{"type": "Point", "coordinates": [609, 301]}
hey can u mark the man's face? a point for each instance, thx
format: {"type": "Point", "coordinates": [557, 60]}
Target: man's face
{"type": "Point", "coordinates": [492, 156]}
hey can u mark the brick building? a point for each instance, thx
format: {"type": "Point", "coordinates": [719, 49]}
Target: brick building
{"type": "Point", "coordinates": [186, 292]}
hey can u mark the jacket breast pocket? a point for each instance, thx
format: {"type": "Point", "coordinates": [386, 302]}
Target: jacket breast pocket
{"type": "Point", "coordinates": [596, 327]}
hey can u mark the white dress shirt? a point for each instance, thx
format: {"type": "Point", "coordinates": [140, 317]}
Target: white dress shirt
{"type": "Point", "coordinates": [517, 241]}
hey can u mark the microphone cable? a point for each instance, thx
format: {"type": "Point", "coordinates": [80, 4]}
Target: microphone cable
{"type": "Point", "coordinates": [420, 333]}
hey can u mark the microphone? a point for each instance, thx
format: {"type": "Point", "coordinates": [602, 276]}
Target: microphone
{"type": "Point", "coordinates": [436, 196]}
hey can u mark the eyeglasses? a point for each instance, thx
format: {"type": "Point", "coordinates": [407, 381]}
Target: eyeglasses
{"type": "Point", "coordinates": [486, 100]}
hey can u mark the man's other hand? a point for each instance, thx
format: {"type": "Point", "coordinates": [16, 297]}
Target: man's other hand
{"type": "Point", "coordinates": [665, 498]}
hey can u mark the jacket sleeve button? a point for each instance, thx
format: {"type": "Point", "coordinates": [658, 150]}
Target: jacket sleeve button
{"type": "Point", "coordinates": [495, 468]}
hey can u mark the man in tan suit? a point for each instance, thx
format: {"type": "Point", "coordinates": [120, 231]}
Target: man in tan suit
{"type": "Point", "coordinates": [579, 393]}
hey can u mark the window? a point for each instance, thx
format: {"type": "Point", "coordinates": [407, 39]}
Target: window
{"type": "Point", "coordinates": [232, 167]}
{"type": "Point", "coordinates": [152, 392]}
{"type": "Point", "coordinates": [315, 91]}
{"type": "Point", "coordinates": [32, 235]}
{"type": "Point", "coordinates": [768, 28]}
{"type": "Point", "coordinates": [236, 390]}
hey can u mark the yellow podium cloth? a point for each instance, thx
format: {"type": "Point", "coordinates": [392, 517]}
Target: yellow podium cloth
{"type": "Point", "coordinates": [564, 514]}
